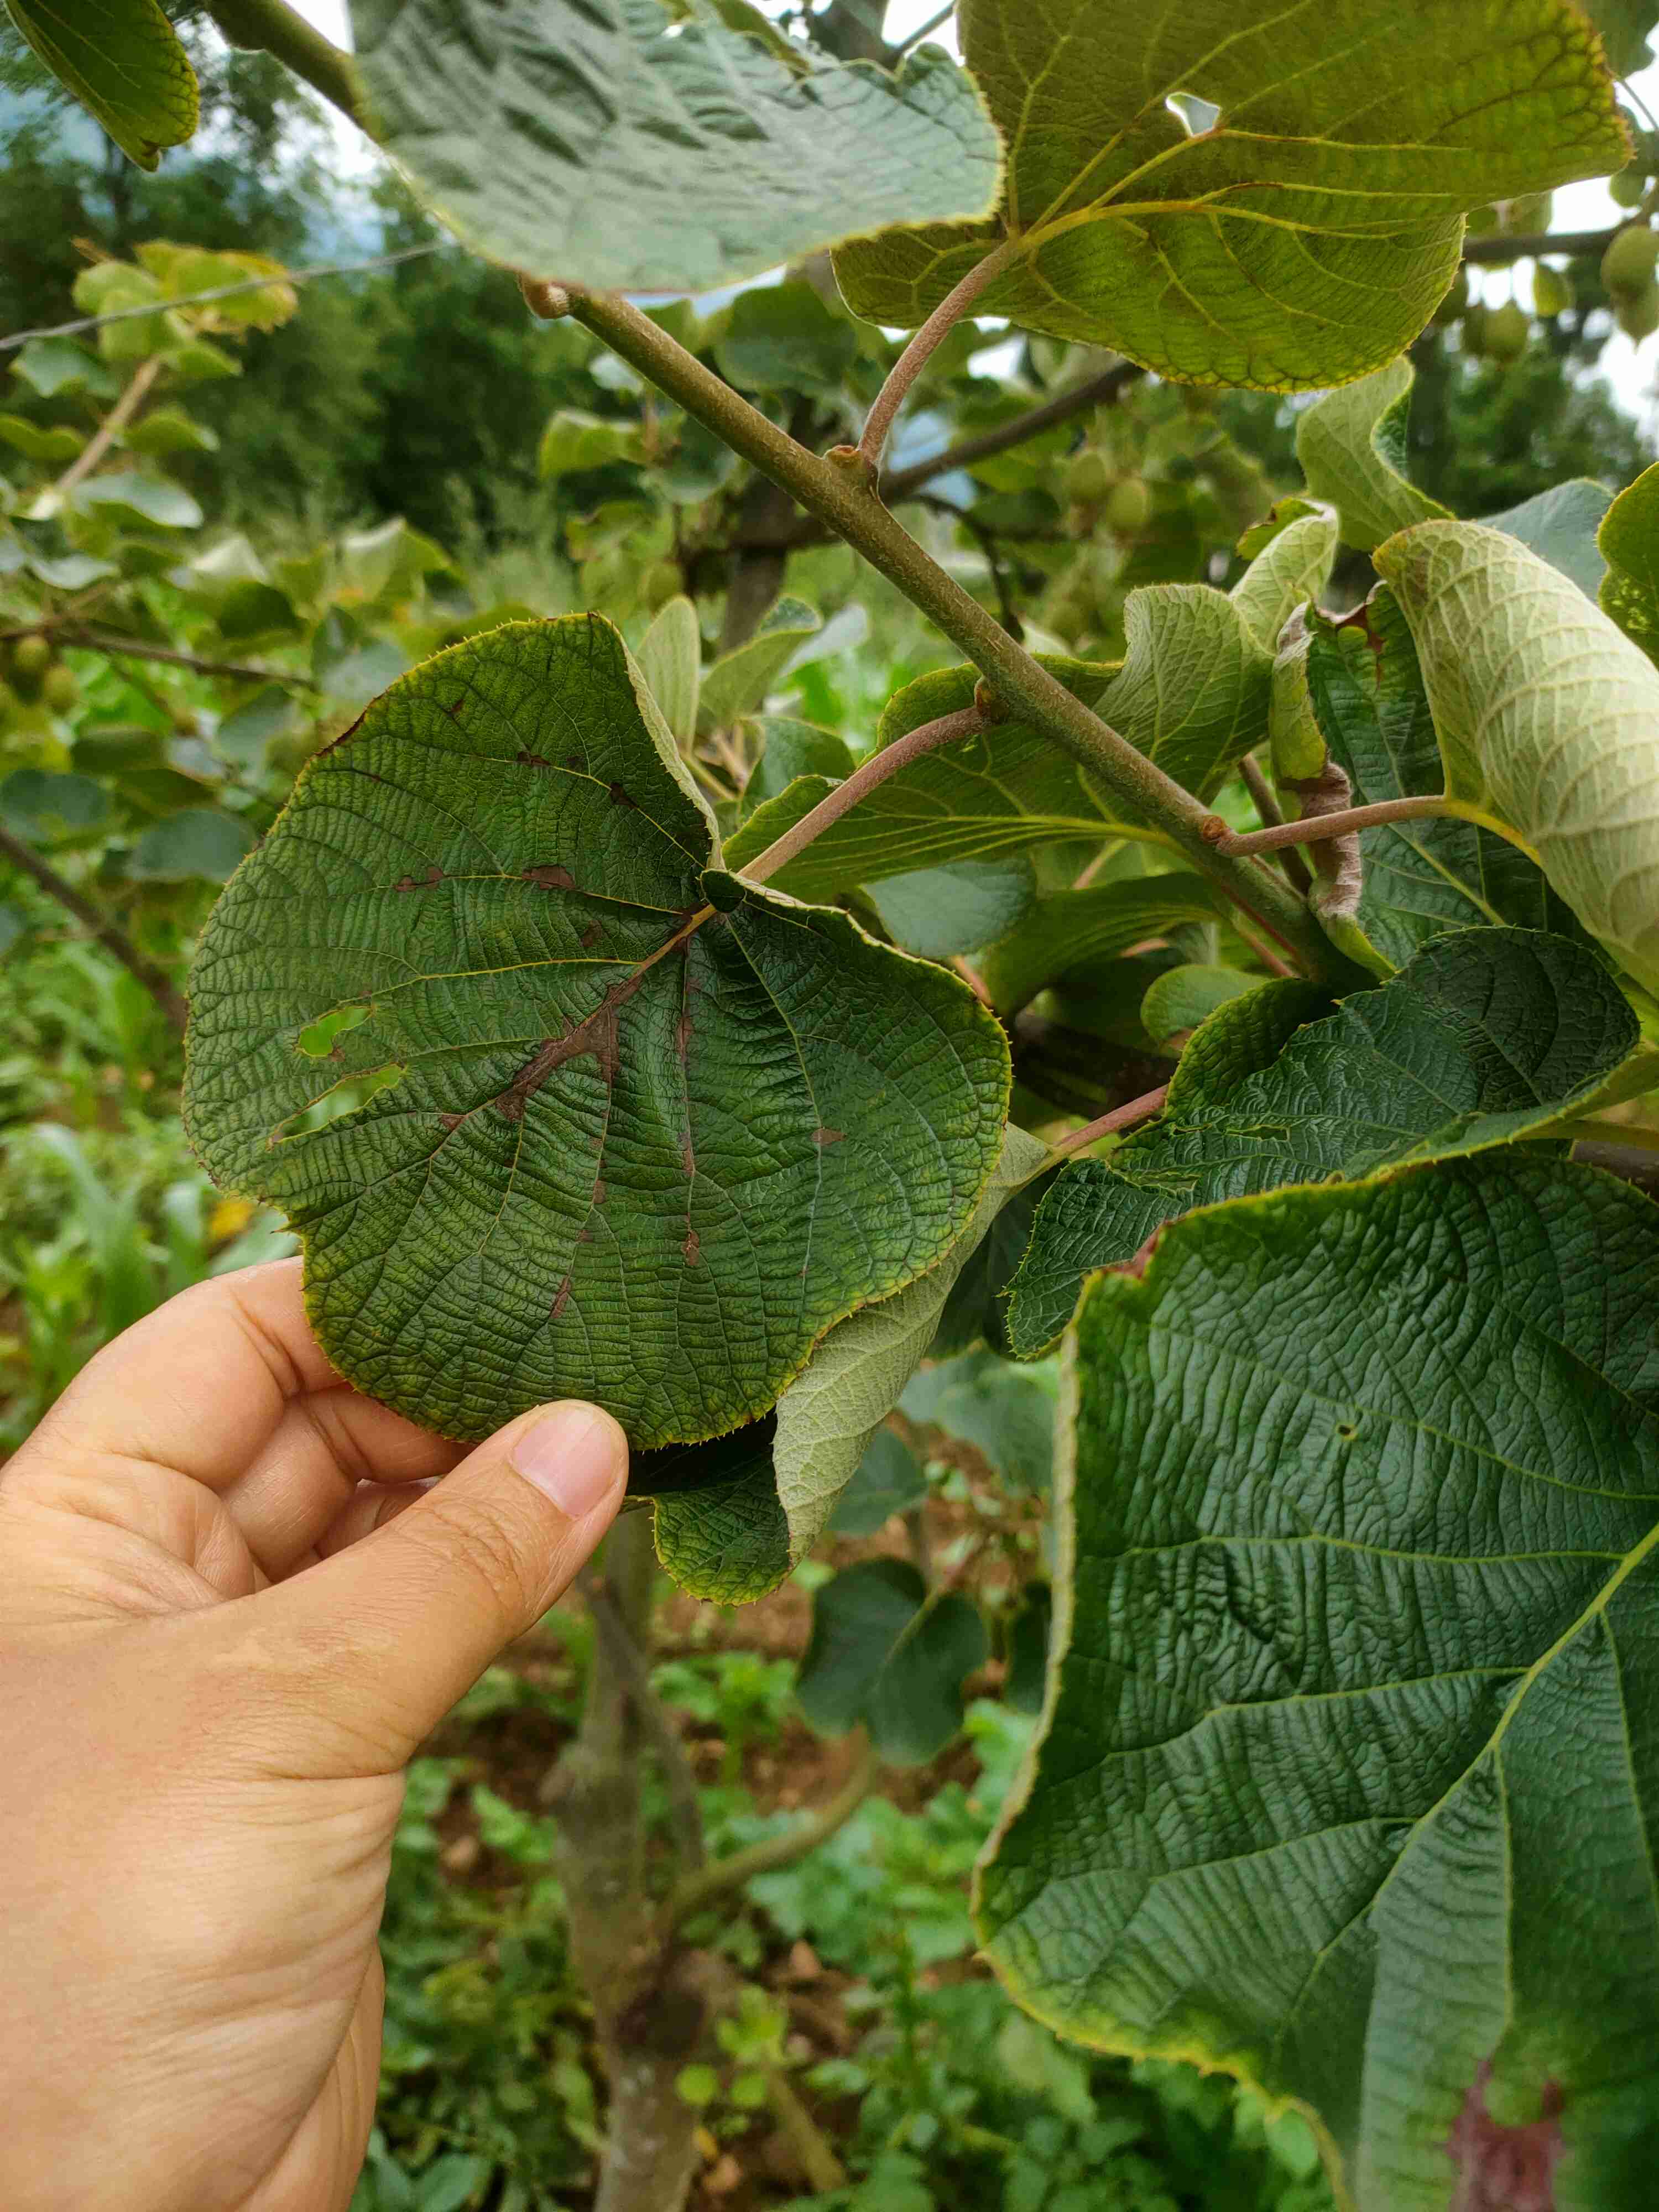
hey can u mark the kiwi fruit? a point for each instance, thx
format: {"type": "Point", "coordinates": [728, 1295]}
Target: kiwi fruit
{"type": "Point", "coordinates": [1628, 185]}
{"type": "Point", "coordinates": [1129, 506]}
{"type": "Point", "coordinates": [1631, 259]}
{"type": "Point", "coordinates": [1088, 479]}
{"type": "Point", "coordinates": [1508, 329]}
{"type": "Point", "coordinates": [1551, 291]}
{"type": "Point", "coordinates": [60, 690]}
{"type": "Point", "coordinates": [1637, 313]}
{"type": "Point", "coordinates": [31, 657]}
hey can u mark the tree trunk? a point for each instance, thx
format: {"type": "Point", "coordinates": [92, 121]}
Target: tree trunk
{"type": "Point", "coordinates": [648, 2009]}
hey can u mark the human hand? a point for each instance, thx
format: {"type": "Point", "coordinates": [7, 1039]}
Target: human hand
{"type": "Point", "coordinates": [229, 1613]}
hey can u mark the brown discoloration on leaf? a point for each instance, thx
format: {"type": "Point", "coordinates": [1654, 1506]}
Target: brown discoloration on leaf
{"type": "Point", "coordinates": [824, 1137]}
{"type": "Point", "coordinates": [562, 1300]}
{"type": "Point", "coordinates": [692, 1248]}
{"type": "Point", "coordinates": [1505, 2169]}
{"type": "Point", "coordinates": [550, 878]}
{"type": "Point", "coordinates": [688, 1156]}
{"type": "Point", "coordinates": [433, 875]}
{"type": "Point", "coordinates": [619, 796]}
{"type": "Point", "coordinates": [452, 1121]}
{"type": "Point", "coordinates": [590, 937]}
{"type": "Point", "coordinates": [454, 709]}
{"type": "Point", "coordinates": [532, 760]}
{"type": "Point", "coordinates": [577, 762]}
{"type": "Point", "coordinates": [683, 1037]}
{"type": "Point", "coordinates": [601, 1192]}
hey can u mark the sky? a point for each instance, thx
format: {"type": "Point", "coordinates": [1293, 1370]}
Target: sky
{"type": "Point", "coordinates": [1630, 370]}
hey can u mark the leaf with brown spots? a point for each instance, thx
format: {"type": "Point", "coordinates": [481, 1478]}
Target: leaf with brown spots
{"type": "Point", "coordinates": [624, 1148]}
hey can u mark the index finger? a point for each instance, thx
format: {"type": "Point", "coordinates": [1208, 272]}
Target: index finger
{"type": "Point", "coordinates": [208, 1382]}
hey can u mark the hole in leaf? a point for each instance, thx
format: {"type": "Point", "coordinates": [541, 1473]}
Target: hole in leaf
{"type": "Point", "coordinates": [351, 1092]}
{"type": "Point", "coordinates": [1347, 1430]}
{"type": "Point", "coordinates": [1195, 115]}
{"type": "Point", "coordinates": [318, 1040]}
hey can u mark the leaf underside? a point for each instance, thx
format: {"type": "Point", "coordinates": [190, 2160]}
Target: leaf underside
{"type": "Point", "coordinates": [612, 147]}
{"type": "Point", "coordinates": [614, 1125]}
{"type": "Point", "coordinates": [123, 62]}
{"type": "Point", "coordinates": [1421, 878]}
{"type": "Point", "coordinates": [1546, 714]}
{"type": "Point", "coordinates": [1486, 1036]}
{"type": "Point", "coordinates": [1304, 238]}
{"type": "Point", "coordinates": [1343, 1591]}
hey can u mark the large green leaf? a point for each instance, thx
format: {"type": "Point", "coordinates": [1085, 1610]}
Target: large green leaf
{"type": "Point", "coordinates": [1630, 542]}
{"type": "Point", "coordinates": [1192, 694]}
{"type": "Point", "coordinates": [1075, 929]}
{"type": "Point", "coordinates": [1421, 878]}
{"type": "Point", "coordinates": [1352, 448]}
{"type": "Point", "coordinates": [123, 62]}
{"type": "Point", "coordinates": [603, 143]}
{"type": "Point", "coordinates": [624, 1097]}
{"type": "Point", "coordinates": [882, 1653]}
{"type": "Point", "coordinates": [1302, 239]}
{"type": "Point", "coordinates": [1487, 1034]}
{"type": "Point", "coordinates": [1546, 714]}
{"type": "Point", "coordinates": [1350, 1761]}
{"type": "Point", "coordinates": [1291, 569]}
{"type": "Point", "coordinates": [938, 912]}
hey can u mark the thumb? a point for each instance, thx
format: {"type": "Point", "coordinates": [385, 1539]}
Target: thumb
{"type": "Point", "coordinates": [371, 1648]}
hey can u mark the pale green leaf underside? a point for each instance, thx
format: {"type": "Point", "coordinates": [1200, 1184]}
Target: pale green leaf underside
{"type": "Point", "coordinates": [1191, 693]}
{"type": "Point", "coordinates": [1294, 567]}
{"type": "Point", "coordinates": [828, 1416]}
{"type": "Point", "coordinates": [1546, 715]}
{"type": "Point", "coordinates": [1362, 1515]}
{"type": "Point", "coordinates": [605, 145]}
{"type": "Point", "coordinates": [123, 62]}
{"type": "Point", "coordinates": [1421, 878]}
{"type": "Point", "coordinates": [1353, 451]}
{"type": "Point", "coordinates": [1303, 241]}
{"type": "Point", "coordinates": [1630, 542]}
{"type": "Point", "coordinates": [630, 1149]}
{"type": "Point", "coordinates": [1486, 1035]}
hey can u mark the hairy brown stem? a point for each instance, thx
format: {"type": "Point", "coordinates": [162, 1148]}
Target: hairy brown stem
{"type": "Point", "coordinates": [1121, 1117]}
{"type": "Point", "coordinates": [836, 489]}
{"type": "Point", "coordinates": [863, 780]}
{"type": "Point", "coordinates": [1267, 806]}
{"type": "Point", "coordinates": [268, 27]}
{"type": "Point", "coordinates": [155, 980]}
{"type": "Point", "coordinates": [134, 648]}
{"type": "Point", "coordinates": [131, 399]}
{"type": "Point", "coordinates": [721, 1876]}
{"type": "Point", "coordinates": [1100, 391]}
{"type": "Point", "coordinates": [926, 342]}
{"type": "Point", "coordinates": [1315, 829]}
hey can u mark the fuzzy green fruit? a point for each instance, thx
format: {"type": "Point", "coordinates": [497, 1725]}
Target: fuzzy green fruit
{"type": "Point", "coordinates": [1628, 185]}
{"type": "Point", "coordinates": [1551, 291]}
{"type": "Point", "coordinates": [31, 657]}
{"type": "Point", "coordinates": [1631, 259]}
{"type": "Point", "coordinates": [1475, 319]}
{"type": "Point", "coordinates": [1088, 479]}
{"type": "Point", "coordinates": [60, 690]}
{"type": "Point", "coordinates": [1508, 329]}
{"type": "Point", "coordinates": [1129, 506]}
{"type": "Point", "coordinates": [1637, 313]}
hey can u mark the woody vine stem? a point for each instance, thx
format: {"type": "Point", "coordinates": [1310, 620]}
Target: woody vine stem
{"type": "Point", "coordinates": [838, 488]}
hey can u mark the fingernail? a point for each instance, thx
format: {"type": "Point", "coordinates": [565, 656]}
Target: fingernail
{"type": "Point", "coordinates": [575, 1455]}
